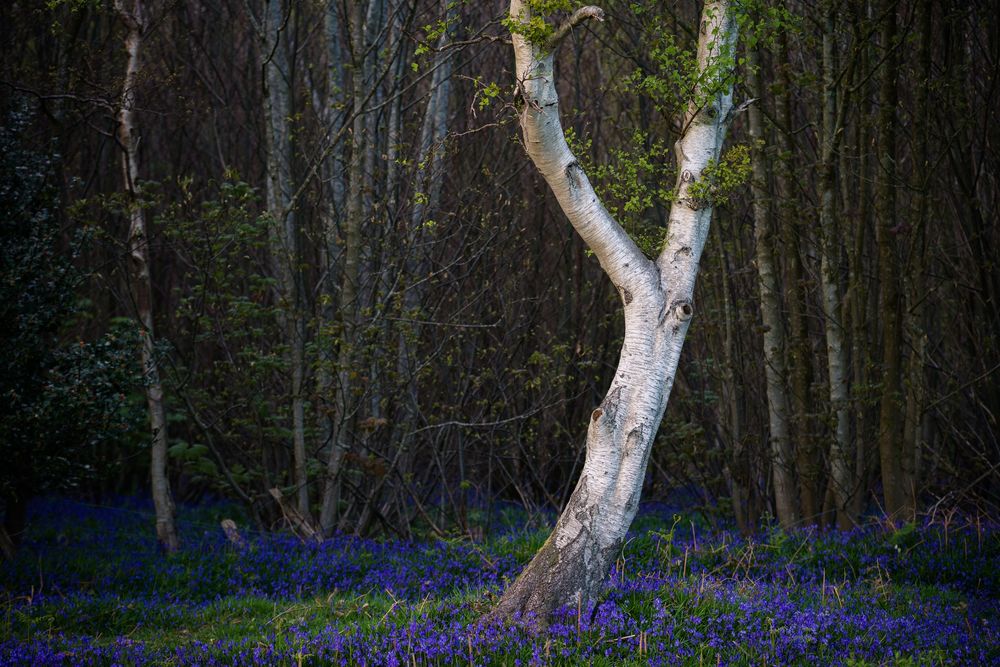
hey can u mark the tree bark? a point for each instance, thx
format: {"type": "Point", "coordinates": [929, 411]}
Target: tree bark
{"type": "Point", "coordinates": [782, 454]}
{"type": "Point", "coordinates": [286, 249]}
{"type": "Point", "coordinates": [349, 290]}
{"type": "Point", "coordinates": [335, 190]}
{"type": "Point", "coordinates": [798, 350]}
{"type": "Point", "coordinates": [741, 469]}
{"type": "Point", "coordinates": [427, 194]}
{"type": "Point", "coordinates": [841, 462]}
{"type": "Point", "coordinates": [896, 482]}
{"type": "Point", "coordinates": [916, 328]}
{"type": "Point", "coordinates": [657, 297]}
{"type": "Point", "coordinates": [428, 183]}
{"type": "Point", "coordinates": [138, 247]}
{"type": "Point", "coordinates": [859, 291]}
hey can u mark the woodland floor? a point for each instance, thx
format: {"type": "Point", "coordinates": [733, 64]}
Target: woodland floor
{"type": "Point", "coordinates": [91, 587]}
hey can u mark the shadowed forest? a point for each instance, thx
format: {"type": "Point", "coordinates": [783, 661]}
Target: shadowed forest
{"type": "Point", "coordinates": [308, 335]}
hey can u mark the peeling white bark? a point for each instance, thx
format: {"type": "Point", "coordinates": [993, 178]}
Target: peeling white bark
{"type": "Point", "coordinates": [657, 298]}
{"type": "Point", "coordinates": [142, 289]}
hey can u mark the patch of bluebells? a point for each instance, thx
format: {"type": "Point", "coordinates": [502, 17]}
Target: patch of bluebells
{"type": "Point", "coordinates": [112, 550]}
{"type": "Point", "coordinates": [863, 597]}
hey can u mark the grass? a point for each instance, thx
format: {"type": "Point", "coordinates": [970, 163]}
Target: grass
{"type": "Point", "coordinates": [91, 587]}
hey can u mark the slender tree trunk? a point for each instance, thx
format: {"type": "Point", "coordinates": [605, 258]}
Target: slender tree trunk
{"type": "Point", "coordinates": [333, 178]}
{"type": "Point", "coordinates": [858, 295]}
{"type": "Point", "coordinates": [915, 326]}
{"type": "Point", "coordinates": [389, 278]}
{"type": "Point", "coordinates": [841, 461]}
{"type": "Point", "coordinates": [782, 455]}
{"type": "Point", "coordinates": [427, 194]}
{"type": "Point", "coordinates": [142, 288]}
{"type": "Point", "coordinates": [572, 564]}
{"type": "Point", "coordinates": [285, 243]}
{"type": "Point", "coordinates": [896, 483]}
{"type": "Point", "coordinates": [349, 292]}
{"type": "Point", "coordinates": [742, 479]}
{"type": "Point", "coordinates": [798, 350]}
{"type": "Point", "coordinates": [414, 233]}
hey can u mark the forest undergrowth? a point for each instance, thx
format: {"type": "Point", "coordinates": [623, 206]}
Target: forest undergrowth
{"type": "Point", "coordinates": [90, 586]}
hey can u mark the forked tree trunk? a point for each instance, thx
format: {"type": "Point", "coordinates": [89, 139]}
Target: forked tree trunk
{"type": "Point", "coordinates": [142, 288]}
{"type": "Point", "coordinates": [657, 296]}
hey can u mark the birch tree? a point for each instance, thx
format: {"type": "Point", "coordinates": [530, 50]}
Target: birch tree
{"type": "Point", "coordinates": [841, 477]}
{"type": "Point", "coordinates": [136, 21]}
{"type": "Point", "coordinates": [782, 455]}
{"type": "Point", "coordinates": [656, 296]}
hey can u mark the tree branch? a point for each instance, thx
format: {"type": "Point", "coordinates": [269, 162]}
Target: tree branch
{"type": "Point", "coordinates": [578, 17]}
{"type": "Point", "coordinates": [545, 143]}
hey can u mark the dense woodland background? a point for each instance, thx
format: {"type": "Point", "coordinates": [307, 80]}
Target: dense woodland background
{"type": "Point", "coordinates": [362, 293]}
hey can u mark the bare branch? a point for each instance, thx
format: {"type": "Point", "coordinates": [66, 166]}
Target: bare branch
{"type": "Point", "coordinates": [578, 17]}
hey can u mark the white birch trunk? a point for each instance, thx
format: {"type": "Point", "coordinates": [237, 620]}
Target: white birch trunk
{"type": "Point", "coordinates": [138, 248]}
{"type": "Point", "coordinates": [572, 564]}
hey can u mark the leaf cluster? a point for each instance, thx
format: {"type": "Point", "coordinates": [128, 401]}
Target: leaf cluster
{"type": "Point", "coordinates": [535, 27]}
{"type": "Point", "coordinates": [721, 178]}
{"type": "Point", "coordinates": [228, 322]}
{"type": "Point", "coordinates": [632, 184]}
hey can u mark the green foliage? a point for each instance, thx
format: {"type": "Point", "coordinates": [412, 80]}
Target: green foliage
{"type": "Point", "coordinates": [61, 397]}
{"type": "Point", "coordinates": [719, 179]}
{"type": "Point", "coordinates": [632, 184]}
{"type": "Point", "coordinates": [487, 94]}
{"type": "Point", "coordinates": [228, 327]}
{"type": "Point", "coordinates": [535, 27]}
{"type": "Point", "coordinates": [671, 76]}
{"type": "Point", "coordinates": [904, 536]}
{"type": "Point", "coordinates": [761, 23]}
